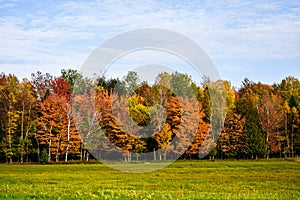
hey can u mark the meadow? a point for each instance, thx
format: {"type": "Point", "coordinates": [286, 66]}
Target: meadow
{"type": "Point", "coordinates": [180, 180]}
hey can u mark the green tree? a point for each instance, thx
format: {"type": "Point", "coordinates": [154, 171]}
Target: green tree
{"type": "Point", "coordinates": [247, 106]}
{"type": "Point", "coordinates": [290, 86]}
{"type": "Point", "coordinates": [131, 81]}
{"type": "Point", "coordinates": [181, 85]}
{"type": "Point", "coordinates": [289, 90]}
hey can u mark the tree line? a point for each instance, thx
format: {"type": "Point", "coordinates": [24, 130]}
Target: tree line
{"type": "Point", "coordinates": [71, 117]}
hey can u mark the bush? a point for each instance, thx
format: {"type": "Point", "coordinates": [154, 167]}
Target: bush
{"type": "Point", "coordinates": [44, 157]}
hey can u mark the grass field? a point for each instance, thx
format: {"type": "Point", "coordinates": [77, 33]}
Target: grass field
{"type": "Point", "coordinates": [181, 180]}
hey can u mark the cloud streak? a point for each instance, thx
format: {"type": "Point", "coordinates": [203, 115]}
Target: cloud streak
{"type": "Point", "coordinates": [52, 36]}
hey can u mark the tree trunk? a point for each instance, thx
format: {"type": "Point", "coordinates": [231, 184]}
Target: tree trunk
{"type": "Point", "coordinates": [10, 141]}
{"type": "Point", "coordinates": [292, 140]}
{"type": "Point", "coordinates": [137, 156]}
{"type": "Point", "coordinates": [286, 137]}
{"type": "Point", "coordinates": [267, 135]}
{"type": "Point", "coordinates": [87, 155]}
{"type": "Point", "coordinates": [27, 133]}
{"type": "Point", "coordinates": [57, 149]}
{"type": "Point", "coordinates": [49, 150]}
{"type": "Point", "coordinates": [38, 149]}
{"type": "Point", "coordinates": [22, 132]}
{"type": "Point", "coordinates": [26, 146]}
{"type": "Point", "coordinates": [81, 152]}
{"type": "Point", "coordinates": [68, 142]}
{"type": "Point", "coordinates": [50, 143]}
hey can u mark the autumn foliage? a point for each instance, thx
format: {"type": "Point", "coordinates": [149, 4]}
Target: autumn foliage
{"type": "Point", "coordinates": [74, 118]}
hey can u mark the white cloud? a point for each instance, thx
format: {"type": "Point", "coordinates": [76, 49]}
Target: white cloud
{"type": "Point", "coordinates": [65, 33]}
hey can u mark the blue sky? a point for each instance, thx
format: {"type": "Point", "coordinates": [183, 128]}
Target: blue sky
{"type": "Point", "coordinates": [255, 39]}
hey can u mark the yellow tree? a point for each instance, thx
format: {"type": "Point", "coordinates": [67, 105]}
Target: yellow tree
{"type": "Point", "coordinates": [9, 91]}
{"type": "Point", "coordinates": [27, 104]}
{"type": "Point", "coordinates": [163, 139]}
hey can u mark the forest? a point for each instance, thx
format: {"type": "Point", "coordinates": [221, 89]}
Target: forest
{"type": "Point", "coordinates": [71, 117]}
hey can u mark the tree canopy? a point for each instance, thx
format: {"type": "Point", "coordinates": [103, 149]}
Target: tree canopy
{"type": "Point", "coordinates": [68, 117]}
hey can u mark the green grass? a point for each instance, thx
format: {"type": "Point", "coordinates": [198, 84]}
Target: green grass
{"type": "Point", "coordinates": [181, 180]}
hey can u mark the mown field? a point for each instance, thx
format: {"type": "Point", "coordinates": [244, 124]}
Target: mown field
{"type": "Point", "coordinates": [181, 180]}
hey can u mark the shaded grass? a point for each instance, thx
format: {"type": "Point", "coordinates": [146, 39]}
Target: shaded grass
{"type": "Point", "coordinates": [180, 180]}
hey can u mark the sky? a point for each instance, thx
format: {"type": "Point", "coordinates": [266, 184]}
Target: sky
{"type": "Point", "coordinates": [259, 40]}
